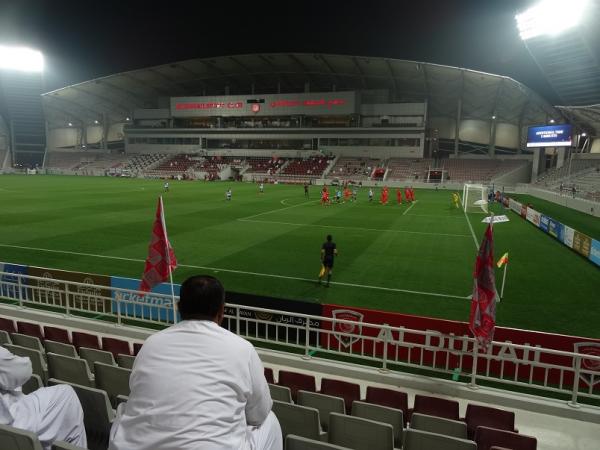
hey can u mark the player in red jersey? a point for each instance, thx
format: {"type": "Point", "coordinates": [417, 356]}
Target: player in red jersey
{"type": "Point", "coordinates": [384, 195]}
{"type": "Point", "coordinates": [399, 195]}
{"type": "Point", "coordinates": [324, 196]}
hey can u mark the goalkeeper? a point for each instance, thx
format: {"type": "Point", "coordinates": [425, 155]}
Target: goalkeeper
{"type": "Point", "coordinates": [455, 200]}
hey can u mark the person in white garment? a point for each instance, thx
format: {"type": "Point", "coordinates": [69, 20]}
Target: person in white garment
{"type": "Point", "coordinates": [52, 413]}
{"type": "Point", "coordinates": [196, 385]}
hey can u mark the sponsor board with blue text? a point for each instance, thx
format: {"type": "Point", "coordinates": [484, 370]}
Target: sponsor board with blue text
{"type": "Point", "coordinates": [135, 305]}
{"type": "Point", "coordinates": [8, 280]}
{"type": "Point", "coordinates": [555, 229]}
{"type": "Point", "coordinates": [544, 223]}
{"type": "Point", "coordinates": [595, 252]}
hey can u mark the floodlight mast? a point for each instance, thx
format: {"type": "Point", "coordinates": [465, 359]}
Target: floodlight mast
{"type": "Point", "coordinates": [550, 17]}
{"type": "Point", "coordinates": [21, 59]}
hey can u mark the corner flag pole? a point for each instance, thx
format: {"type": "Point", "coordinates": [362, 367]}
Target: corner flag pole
{"type": "Point", "coordinates": [503, 280]}
{"type": "Point", "coordinates": [164, 224]}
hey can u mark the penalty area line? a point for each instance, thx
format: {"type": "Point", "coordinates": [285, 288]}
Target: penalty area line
{"type": "Point", "coordinates": [278, 209]}
{"type": "Point", "coordinates": [410, 207]}
{"type": "Point", "coordinates": [378, 230]}
{"type": "Point", "coordinates": [242, 272]}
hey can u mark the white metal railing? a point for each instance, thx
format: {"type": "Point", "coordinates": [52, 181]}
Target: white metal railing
{"type": "Point", "coordinates": [387, 348]}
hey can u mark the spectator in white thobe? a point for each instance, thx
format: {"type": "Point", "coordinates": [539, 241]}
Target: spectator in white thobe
{"type": "Point", "coordinates": [196, 385]}
{"type": "Point", "coordinates": [53, 413]}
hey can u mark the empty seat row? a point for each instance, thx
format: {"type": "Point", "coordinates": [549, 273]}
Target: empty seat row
{"type": "Point", "coordinates": [476, 415]}
{"type": "Point", "coordinates": [15, 438]}
{"type": "Point", "coordinates": [76, 338]}
{"type": "Point", "coordinates": [373, 427]}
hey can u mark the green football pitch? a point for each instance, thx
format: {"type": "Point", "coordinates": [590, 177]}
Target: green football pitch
{"type": "Point", "coordinates": [415, 259]}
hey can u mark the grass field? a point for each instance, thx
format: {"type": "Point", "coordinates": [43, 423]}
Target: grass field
{"type": "Point", "coordinates": [414, 259]}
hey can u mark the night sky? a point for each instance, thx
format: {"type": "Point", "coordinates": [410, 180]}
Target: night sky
{"type": "Point", "coordinates": [82, 39]}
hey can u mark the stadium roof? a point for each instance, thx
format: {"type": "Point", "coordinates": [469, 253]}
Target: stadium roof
{"type": "Point", "coordinates": [483, 94]}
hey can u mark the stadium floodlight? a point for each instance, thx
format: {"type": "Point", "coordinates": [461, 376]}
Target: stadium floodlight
{"type": "Point", "coordinates": [550, 17]}
{"type": "Point", "coordinates": [21, 58]}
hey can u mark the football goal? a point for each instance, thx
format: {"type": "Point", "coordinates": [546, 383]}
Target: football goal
{"type": "Point", "coordinates": [474, 198]}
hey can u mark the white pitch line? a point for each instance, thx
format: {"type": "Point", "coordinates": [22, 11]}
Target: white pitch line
{"type": "Point", "coordinates": [471, 228]}
{"type": "Point", "coordinates": [409, 208]}
{"type": "Point", "coordinates": [243, 272]}
{"type": "Point", "coordinates": [351, 228]}
{"type": "Point", "coordinates": [279, 209]}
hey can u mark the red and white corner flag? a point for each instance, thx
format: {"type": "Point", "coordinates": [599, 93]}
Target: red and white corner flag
{"type": "Point", "coordinates": [161, 260]}
{"type": "Point", "coordinates": [482, 320]}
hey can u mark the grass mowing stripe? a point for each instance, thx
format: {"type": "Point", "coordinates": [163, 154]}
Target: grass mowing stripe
{"type": "Point", "coordinates": [351, 228]}
{"type": "Point", "coordinates": [244, 272]}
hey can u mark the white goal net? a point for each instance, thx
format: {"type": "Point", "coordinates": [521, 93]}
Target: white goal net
{"type": "Point", "coordinates": [474, 198]}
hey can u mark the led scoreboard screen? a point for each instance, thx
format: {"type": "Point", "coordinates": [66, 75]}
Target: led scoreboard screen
{"type": "Point", "coordinates": [550, 136]}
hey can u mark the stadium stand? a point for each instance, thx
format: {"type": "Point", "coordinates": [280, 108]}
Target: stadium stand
{"type": "Point", "coordinates": [382, 414]}
{"type": "Point", "coordinates": [554, 176]}
{"type": "Point", "coordinates": [298, 420]}
{"type": "Point", "coordinates": [439, 425]}
{"type": "Point", "coordinates": [435, 406]}
{"type": "Point", "coordinates": [97, 413]}
{"type": "Point", "coordinates": [312, 167]}
{"type": "Point", "coordinates": [417, 440]}
{"type": "Point", "coordinates": [404, 169]}
{"type": "Point", "coordinates": [337, 388]}
{"type": "Point", "coordinates": [264, 165]}
{"type": "Point", "coordinates": [441, 418]}
{"type": "Point", "coordinates": [280, 393]}
{"type": "Point", "coordinates": [478, 170]}
{"type": "Point", "coordinates": [293, 442]}
{"type": "Point", "coordinates": [486, 437]}
{"type": "Point", "coordinates": [359, 433]}
{"type": "Point", "coordinates": [325, 404]}
{"type": "Point", "coordinates": [13, 438]}
{"type": "Point", "coordinates": [355, 169]}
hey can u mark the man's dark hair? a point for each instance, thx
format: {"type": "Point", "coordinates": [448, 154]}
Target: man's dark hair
{"type": "Point", "coordinates": [329, 238]}
{"type": "Point", "coordinates": [201, 297]}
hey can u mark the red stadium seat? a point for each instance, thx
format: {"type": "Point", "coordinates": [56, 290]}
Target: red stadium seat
{"type": "Point", "coordinates": [297, 382]}
{"type": "Point", "coordinates": [7, 325]}
{"type": "Point", "coordinates": [269, 375]}
{"type": "Point", "coordinates": [488, 417]}
{"type": "Point", "coordinates": [115, 346]}
{"type": "Point", "coordinates": [435, 406]}
{"type": "Point", "coordinates": [85, 340]}
{"type": "Point", "coordinates": [136, 348]}
{"type": "Point", "coordinates": [337, 388]}
{"type": "Point", "coordinates": [57, 335]}
{"type": "Point", "coordinates": [486, 438]}
{"type": "Point", "coordinates": [30, 329]}
{"type": "Point", "coordinates": [389, 398]}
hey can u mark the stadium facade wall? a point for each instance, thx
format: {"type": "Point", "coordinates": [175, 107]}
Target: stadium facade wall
{"type": "Point", "coordinates": [67, 137]}
{"type": "Point", "coordinates": [476, 131]}
{"type": "Point", "coordinates": [519, 175]}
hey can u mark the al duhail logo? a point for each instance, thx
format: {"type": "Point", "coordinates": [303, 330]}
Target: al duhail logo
{"type": "Point", "coordinates": [255, 108]}
{"type": "Point", "coordinates": [347, 328]}
{"type": "Point", "coordinates": [589, 365]}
